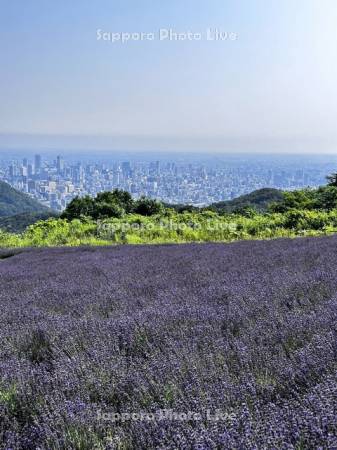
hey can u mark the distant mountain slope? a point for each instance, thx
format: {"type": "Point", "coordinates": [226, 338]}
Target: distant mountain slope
{"type": "Point", "coordinates": [19, 222]}
{"type": "Point", "coordinates": [13, 202]}
{"type": "Point", "coordinates": [259, 199]}
{"type": "Point", "coordinates": [18, 210]}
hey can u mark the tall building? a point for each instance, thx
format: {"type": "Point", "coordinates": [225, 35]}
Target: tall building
{"type": "Point", "coordinates": [59, 164]}
{"type": "Point", "coordinates": [126, 169]}
{"type": "Point", "coordinates": [30, 170]}
{"type": "Point", "coordinates": [37, 163]}
{"type": "Point", "coordinates": [31, 186]}
{"type": "Point", "coordinates": [23, 171]}
{"type": "Point", "coordinates": [13, 171]}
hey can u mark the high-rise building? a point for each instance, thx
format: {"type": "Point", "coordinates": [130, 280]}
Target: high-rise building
{"type": "Point", "coordinates": [126, 169]}
{"type": "Point", "coordinates": [37, 163]}
{"type": "Point", "coordinates": [59, 164]}
{"type": "Point", "coordinates": [30, 169]}
{"type": "Point", "coordinates": [31, 186]}
{"type": "Point", "coordinates": [13, 171]}
{"type": "Point", "coordinates": [23, 171]}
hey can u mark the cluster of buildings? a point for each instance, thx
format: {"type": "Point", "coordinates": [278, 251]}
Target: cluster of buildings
{"type": "Point", "coordinates": [56, 182]}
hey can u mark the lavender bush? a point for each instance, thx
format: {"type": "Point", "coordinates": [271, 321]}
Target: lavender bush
{"type": "Point", "coordinates": [243, 336]}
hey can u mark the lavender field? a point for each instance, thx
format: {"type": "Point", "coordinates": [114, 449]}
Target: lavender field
{"type": "Point", "coordinates": [209, 346]}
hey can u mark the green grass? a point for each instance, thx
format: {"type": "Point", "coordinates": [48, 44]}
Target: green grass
{"type": "Point", "coordinates": [172, 227]}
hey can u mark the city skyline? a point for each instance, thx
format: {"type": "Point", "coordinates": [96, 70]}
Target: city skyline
{"type": "Point", "coordinates": [56, 180]}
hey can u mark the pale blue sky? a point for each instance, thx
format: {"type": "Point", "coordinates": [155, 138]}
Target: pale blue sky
{"type": "Point", "coordinates": [274, 87]}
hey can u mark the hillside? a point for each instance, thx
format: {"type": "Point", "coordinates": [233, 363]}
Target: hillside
{"type": "Point", "coordinates": [248, 329]}
{"type": "Point", "coordinates": [114, 217]}
{"type": "Point", "coordinates": [259, 199]}
{"type": "Point", "coordinates": [19, 222]}
{"type": "Point", "coordinates": [18, 210]}
{"type": "Point", "coordinates": [13, 202]}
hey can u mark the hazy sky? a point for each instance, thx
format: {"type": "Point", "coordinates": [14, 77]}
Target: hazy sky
{"type": "Point", "coordinates": [271, 87]}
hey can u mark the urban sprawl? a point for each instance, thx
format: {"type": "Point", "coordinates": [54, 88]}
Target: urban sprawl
{"type": "Point", "coordinates": [56, 182]}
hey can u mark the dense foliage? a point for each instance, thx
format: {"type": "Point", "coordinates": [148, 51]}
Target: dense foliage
{"type": "Point", "coordinates": [249, 329]}
{"type": "Point", "coordinates": [115, 217]}
{"type": "Point", "coordinates": [116, 203]}
{"type": "Point", "coordinates": [323, 199]}
{"type": "Point", "coordinates": [172, 227]}
{"type": "Point", "coordinates": [19, 222]}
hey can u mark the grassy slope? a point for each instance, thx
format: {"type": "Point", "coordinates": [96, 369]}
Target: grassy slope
{"type": "Point", "coordinates": [13, 202]}
{"type": "Point", "coordinates": [19, 210]}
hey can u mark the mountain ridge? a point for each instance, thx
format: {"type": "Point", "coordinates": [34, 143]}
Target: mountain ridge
{"type": "Point", "coordinates": [14, 202]}
{"type": "Point", "coordinates": [259, 199]}
{"type": "Point", "coordinates": [18, 210]}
